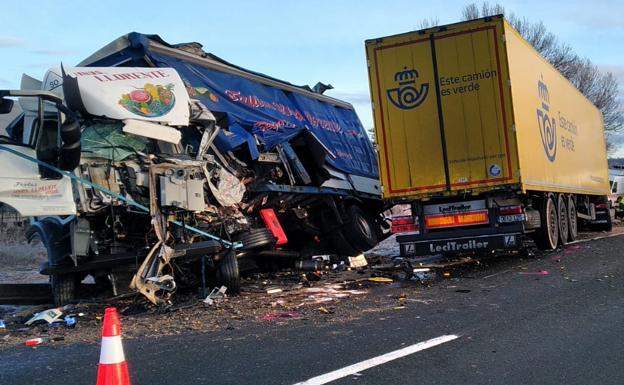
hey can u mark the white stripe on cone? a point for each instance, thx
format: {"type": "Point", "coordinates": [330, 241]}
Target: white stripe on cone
{"type": "Point", "coordinates": [112, 351]}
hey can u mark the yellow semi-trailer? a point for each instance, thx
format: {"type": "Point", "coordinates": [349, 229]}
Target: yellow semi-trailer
{"type": "Point", "coordinates": [485, 139]}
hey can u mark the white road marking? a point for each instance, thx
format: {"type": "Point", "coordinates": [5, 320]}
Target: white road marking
{"type": "Point", "coordinates": [376, 361]}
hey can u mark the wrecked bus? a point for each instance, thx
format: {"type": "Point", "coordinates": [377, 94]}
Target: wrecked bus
{"type": "Point", "coordinates": [152, 165]}
{"type": "Point", "coordinates": [485, 139]}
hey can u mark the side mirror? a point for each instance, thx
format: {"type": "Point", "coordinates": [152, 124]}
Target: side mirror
{"type": "Point", "coordinates": [6, 105]}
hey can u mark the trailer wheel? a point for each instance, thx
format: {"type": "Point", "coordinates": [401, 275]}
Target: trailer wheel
{"type": "Point", "coordinates": [562, 213]}
{"type": "Point", "coordinates": [228, 274]}
{"type": "Point", "coordinates": [572, 220]}
{"type": "Point", "coordinates": [547, 236]}
{"type": "Point", "coordinates": [63, 288]}
{"type": "Point", "coordinates": [359, 230]}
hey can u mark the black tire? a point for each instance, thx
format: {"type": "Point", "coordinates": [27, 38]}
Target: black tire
{"type": "Point", "coordinates": [228, 274]}
{"type": "Point", "coordinates": [63, 288]}
{"type": "Point", "coordinates": [341, 245]}
{"type": "Point", "coordinates": [334, 237]}
{"type": "Point", "coordinates": [572, 220]}
{"type": "Point", "coordinates": [255, 239]}
{"type": "Point", "coordinates": [359, 229]}
{"type": "Point", "coordinates": [562, 216]}
{"type": "Point", "coordinates": [547, 236]}
{"type": "Point", "coordinates": [606, 226]}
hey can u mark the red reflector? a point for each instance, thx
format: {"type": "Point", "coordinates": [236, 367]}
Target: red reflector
{"type": "Point", "coordinates": [271, 221]}
{"type": "Point", "coordinates": [404, 229]}
{"type": "Point", "coordinates": [405, 224]}
{"type": "Point", "coordinates": [409, 220]}
{"type": "Point", "coordinates": [602, 206]}
{"type": "Point", "coordinates": [510, 210]}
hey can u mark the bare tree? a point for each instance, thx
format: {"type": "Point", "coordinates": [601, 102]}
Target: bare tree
{"type": "Point", "coordinates": [599, 87]}
{"type": "Point", "coordinates": [427, 23]}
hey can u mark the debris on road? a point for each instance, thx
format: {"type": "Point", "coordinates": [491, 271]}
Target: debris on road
{"type": "Point", "coordinates": [33, 342]}
{"type": "Point", "coordinates": [541, 272]}
{"type": "Point", "coordinates": [381, 280]}
{"type": "Point", "coordinates": [358, 261]}
{"type": "Point", "coordinates": [218, 293]}
{"type": "Point", "coordinates": [281, 316]}
{"type": "Point", "coordinates": [70, 322]}
{"type": "Point", "coordinates": [49, 316]}
{"type": "Point", "coordinates": [328, 295]}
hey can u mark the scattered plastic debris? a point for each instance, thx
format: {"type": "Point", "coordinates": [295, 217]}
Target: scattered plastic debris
{"type": "Point", "coordinates": [274, 290]}
{"type": "Point", "coordinates": [359, 261]}
{"type": "Point", "coordinates": [70, 322]}
{"type": "Point", "coordinates": [313, 276]}
{"type": "Point", "coordinates": [2, 325]}
{"type": "Point", "coordinates": [381, 280]}
{"type": "Point", "coordinates": [329, 293]}
{"type": "Point", "coordinates": [424, 274]}
{"type": "Point", "coordinates": [49, 316]}
{"type": "Point", "coordinates": [281, 316]}
{"type": "Point", "coordinates": [216, 294]}
{"type": "Point", "coordinates": [33, 342]}
{"type": "Point", "coordinates": [324, 310]}
{"type": "Point", "coordinates": [541, 272]}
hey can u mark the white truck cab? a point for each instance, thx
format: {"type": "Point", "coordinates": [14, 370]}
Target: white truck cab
{"type": "Point", "coordinates": [616, 182]}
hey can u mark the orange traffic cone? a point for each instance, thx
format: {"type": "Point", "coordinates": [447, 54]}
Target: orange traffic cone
{"type": "Point", "coordinates": [112, 369]}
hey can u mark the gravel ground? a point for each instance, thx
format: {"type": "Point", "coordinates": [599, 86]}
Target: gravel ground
{"type": "Point", "coordinates": [20, 260]}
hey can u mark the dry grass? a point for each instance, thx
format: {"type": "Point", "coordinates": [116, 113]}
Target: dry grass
{"type": "Point", "coordinates": [15, 251]}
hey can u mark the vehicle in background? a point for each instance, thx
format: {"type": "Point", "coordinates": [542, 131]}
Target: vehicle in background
{"type": "Point", "coordinates": [616, 183]}
{"type": "Point", "coordinates": [236, 170]}
{"type": "Point", "coordinates": [485, 139]}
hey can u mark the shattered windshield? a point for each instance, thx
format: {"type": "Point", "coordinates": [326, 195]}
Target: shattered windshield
{"type": "Point", "coordinates": [107, 140]}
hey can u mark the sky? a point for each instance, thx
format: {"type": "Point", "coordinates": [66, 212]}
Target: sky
{"type": "Point", "coordinates": [302, 42]}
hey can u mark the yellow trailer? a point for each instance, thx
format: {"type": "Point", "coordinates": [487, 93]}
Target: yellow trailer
{"type": "Point", "coordinates": [470, 112]}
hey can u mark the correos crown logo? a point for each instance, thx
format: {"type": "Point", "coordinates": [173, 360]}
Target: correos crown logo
{"type": "Point", "coordinates": [406, 96]}
{"type": "Point", "coordinates": [547, 126]}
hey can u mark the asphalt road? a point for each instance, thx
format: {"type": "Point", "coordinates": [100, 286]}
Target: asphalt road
{"type": "Point", "coordinates": [549, 320]}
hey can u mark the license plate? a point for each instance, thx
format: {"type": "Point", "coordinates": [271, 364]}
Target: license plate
{"type": "Point", "coordinates": [511, 218]}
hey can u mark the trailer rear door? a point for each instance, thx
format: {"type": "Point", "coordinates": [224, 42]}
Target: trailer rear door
{"type": "Point", "coordinates": [441, 108]}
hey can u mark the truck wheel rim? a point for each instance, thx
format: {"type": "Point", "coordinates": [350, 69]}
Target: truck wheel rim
{"type": "Point", "coordinates": [364, 227]}
{"type": "Point", "coordinates": [572, 219]}
{"type": "Point", "coordinates": [552, 223]}
{"type": "Point", "coordinates": [563, 221]}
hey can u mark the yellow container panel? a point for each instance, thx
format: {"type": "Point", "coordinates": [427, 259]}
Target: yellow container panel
{"type": "Point", "coordinates": [406, 119]}
{"type": "Point", "coordinates": [465, 141]}
{"type": "Point", "coordinates": [559, 132]}
{"type": "Point", "coordinates": [475, 106]}
{"type": "Point", "coordinates": [472, 106]}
